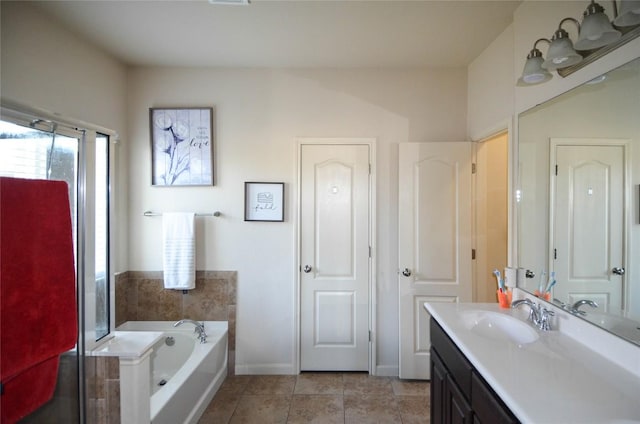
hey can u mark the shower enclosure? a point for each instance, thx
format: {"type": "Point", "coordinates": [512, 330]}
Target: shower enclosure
{"type": "Point", "coordinates": [40, 148]}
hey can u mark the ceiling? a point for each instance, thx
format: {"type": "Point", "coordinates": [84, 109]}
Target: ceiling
{"type": "Point", "coordinates": [302, 33]}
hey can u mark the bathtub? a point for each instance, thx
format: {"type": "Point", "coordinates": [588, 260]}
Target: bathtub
{"type": "Point", "coordinates": [185, 374]}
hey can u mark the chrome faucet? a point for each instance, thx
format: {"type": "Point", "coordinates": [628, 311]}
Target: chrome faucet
{"type": "Point", "coordinates": [533, 310]}
{"type": "Point", "coordinates": [202, 335]}
{"type": "Point", "coordinates": [539, 315]}
{"type": "Point", "coordinates": [575, 309]}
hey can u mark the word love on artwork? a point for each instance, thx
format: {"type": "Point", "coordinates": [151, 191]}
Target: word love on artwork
{"type": "Point", "coordinates": [201, 140]}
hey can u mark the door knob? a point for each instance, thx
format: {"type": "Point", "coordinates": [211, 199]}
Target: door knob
{"type": "Point", "coordinates": [406, 272]}
{"type": "Point", "coordinates": [529, 274]}
{"type": "Point", "coordinates": [618, 271]}
{"type": "Point", "coordinates": [307, 268]}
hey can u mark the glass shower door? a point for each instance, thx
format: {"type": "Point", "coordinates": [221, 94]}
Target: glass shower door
{"type": "Point", "coordinates": [41, 149]}
{"type": "Point", "coordinates": [32, 153]}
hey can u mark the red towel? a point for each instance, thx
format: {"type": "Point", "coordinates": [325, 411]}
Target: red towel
{"type": "Point", "coordinates": [38, 318]}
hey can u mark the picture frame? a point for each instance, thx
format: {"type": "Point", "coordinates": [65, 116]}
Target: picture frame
{"type": "Point", "coordinates": [181, 146]}
{"type": "Point", "coordinates": [263, 201]}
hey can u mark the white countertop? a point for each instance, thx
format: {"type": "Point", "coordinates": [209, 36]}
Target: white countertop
{"type": "Point", "coordinates": [554, 379]}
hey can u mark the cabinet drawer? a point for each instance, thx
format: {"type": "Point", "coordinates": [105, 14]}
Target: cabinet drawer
{"type": "Point", "coordinates": [459, 367]}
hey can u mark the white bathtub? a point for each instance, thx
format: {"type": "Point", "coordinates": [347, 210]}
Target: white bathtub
{"type": "Point", "coordinates": [192, 372]}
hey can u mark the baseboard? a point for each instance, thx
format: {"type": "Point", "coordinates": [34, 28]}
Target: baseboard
{"type": "Point", "coordinates": [288, 369]}
{"type": "Point", "coordinates": [387, 371]}
{"type": "Point", "coordinates": [265, 369]}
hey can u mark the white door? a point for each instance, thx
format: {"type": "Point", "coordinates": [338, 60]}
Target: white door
{"type": "Point", "coordinates": [589, 223]}
{"type": "Point", "coordinates": [434, 241]}
{"type": "Point", "coordinates": [334, 258]}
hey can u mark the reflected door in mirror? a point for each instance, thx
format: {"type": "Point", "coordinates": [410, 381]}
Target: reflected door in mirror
{"type": "Point", "coordinates": [588, 222]}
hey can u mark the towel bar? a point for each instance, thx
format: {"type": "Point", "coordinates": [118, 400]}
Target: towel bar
{"type": "Point", "coordinates": [149, 213]}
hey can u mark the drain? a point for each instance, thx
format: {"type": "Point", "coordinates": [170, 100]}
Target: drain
{"type": "Point", "coordinates": [170, 341]}
{"type": "Point", "coordinates": [162, 382]}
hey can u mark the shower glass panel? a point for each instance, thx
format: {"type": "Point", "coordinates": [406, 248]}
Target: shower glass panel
{"type": "Point", "coordinates": [32, 153]}
{"type": "Point", "coordinates": [46, 151]}
{"type": "Point", "coordinates": [102, 235]}
{"type": "Point", "coordinates": [35, 154]}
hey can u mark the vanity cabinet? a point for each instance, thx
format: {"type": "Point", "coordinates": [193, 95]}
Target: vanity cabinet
{"type": "Point", "coordinates": [459, 394]}
{"type": "Point", "coordinates": [454, 407]}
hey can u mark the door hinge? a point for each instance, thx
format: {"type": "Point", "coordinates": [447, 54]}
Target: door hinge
{"type": "Point", "coordinates": [473, 168]}
{"type": "Point", "coordinates": [473, 254]}
{"type": "Point", "coordinates": [556, 170]}
{"type": "Point", "coordinates": [555, 253]}
{"type": "Point", "coordinates": [369, 169]}
{"type": "Point", "coordinates": [369, 251]}
{"type": "Point", "coordinates": [369, 335]}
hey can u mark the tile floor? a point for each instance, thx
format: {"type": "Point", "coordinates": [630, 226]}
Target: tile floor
{"type": "Point", "coordinates": [319, 398]}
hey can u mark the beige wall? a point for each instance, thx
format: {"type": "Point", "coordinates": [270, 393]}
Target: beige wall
{"type": "Point", "coordinates": [490, 99]}
{"type": "Point", "coordinates": [259, 113]}
{"type": "Point", "coordinates": [45, 66]}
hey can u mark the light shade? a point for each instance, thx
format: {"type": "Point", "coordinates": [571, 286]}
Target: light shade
{"type": "Point", "coordinates": [629, 14]}
{"type": "Point", "coordinates": [561, 52]}
{"type": "Point", "coordinates": [596, 31]}
{"type": "Point", "coordinates": [533, 72]}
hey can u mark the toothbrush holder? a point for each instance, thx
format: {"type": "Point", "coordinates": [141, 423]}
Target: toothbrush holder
{"type": "Point", "coordinates": [546, 296]}
{"type": "Point", "coordinates": [504, 298]}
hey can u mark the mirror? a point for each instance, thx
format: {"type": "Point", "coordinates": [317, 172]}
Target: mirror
{"type": "Point", "coordinates": [578, 199]}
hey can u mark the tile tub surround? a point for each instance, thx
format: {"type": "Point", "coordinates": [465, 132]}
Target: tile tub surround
{"type": "Point", "coordinates": [141, 296]}
{"type": "Point", "coordinates": [103, 389]}
{"type": "Point", "coordinates": [319, 397]}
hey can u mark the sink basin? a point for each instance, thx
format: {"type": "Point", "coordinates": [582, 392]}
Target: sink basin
{"type": "Point", "coordinates": [495, 326]}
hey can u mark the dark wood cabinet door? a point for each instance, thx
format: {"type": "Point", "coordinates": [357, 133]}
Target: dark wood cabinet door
{"type": "Point", "coordinates": [459, 395]}
{"type": "Point", "coordinates": [487, 407]}
{"type": "Point", "coordinates": [438, 380]}
{"type": "Point", "coordinates": [458, 410]}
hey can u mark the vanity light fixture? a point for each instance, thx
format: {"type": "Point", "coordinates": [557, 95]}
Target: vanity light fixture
{"type": "Point", "coordinates": [533, 72]}
{"type": "Point", "coordinates": [596, 30]}
{"type": "Point", "coordinates": [629, 14]}
{"type": "Point", "coordinates": [561, 52]}
{"type": "Point", "coordinates": [596, 38]}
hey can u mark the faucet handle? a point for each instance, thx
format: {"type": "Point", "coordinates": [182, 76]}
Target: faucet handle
{"type": "Point", "coordinates": [545, 315]}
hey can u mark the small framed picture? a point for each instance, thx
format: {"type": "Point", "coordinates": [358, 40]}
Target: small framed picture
{"type": "Point", "coordinates": [264, 201]}
{"type": "Point", "coordinates": [181, 146]}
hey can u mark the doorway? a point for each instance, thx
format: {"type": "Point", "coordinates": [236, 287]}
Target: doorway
{"type": "Point", "coordinates": [491, 213]}
{"type": "Point", "coordinates": [335, 272]}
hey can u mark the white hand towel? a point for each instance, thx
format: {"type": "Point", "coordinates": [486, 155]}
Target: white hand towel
{"type": "Point", "coordinates": [179, 248]}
